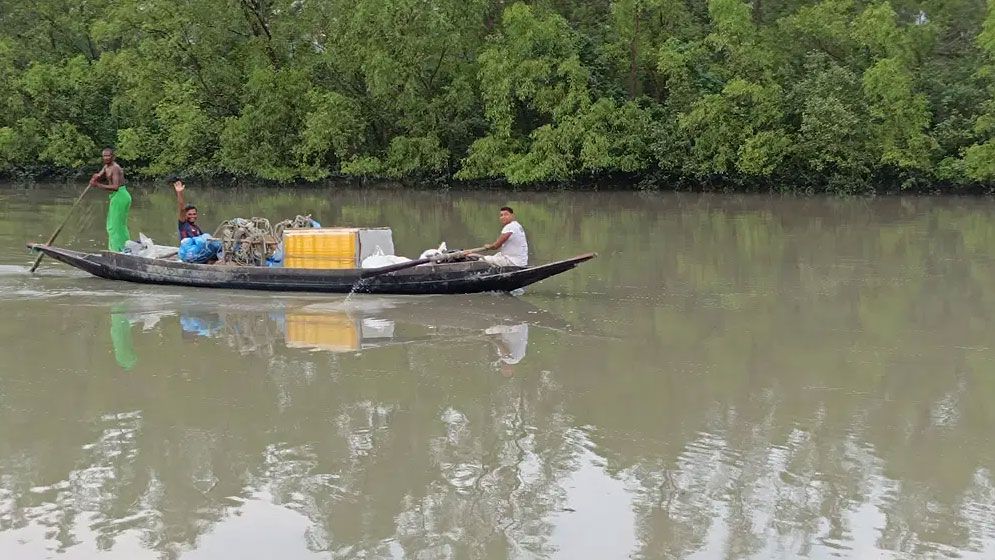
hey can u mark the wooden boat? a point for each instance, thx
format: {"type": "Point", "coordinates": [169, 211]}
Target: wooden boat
{"type": "Point", "coordinates": [444, 278]}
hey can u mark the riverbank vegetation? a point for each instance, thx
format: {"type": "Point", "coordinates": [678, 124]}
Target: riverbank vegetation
{"type": "Point", "coordinates": [837, 95]}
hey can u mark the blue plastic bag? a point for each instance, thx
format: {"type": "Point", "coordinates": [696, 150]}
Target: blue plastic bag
{"type": "Point", "coordinates": [208, 325]}
{"type": "Point", "coordinates": [200, 249]}
{"type": "Point", "coordinates": [276, 259]}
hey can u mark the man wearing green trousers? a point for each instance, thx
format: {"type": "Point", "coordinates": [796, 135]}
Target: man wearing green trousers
{"type": "Point", "coordinates": [120, 205]}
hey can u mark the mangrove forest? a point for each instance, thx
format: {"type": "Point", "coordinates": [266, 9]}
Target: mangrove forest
{"type": "Point", "coordinates": [844, 96]}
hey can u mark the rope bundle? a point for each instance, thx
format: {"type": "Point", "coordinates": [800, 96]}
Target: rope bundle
{"type": "Point", "coordinates": [249, 242]}
{"type": "Point", "coordinates": [299, 222]}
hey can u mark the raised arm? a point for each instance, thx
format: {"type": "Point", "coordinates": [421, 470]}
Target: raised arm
{"type": "Point", "coordinates": [180, 203]}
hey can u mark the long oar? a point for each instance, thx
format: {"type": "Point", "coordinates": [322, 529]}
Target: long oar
{"type": "Point", "coordinates": [371, 272]}
{"type": "Point", "coordinates": [62, 225]}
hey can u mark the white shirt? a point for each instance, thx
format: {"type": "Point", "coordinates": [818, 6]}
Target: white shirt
{"type": "Point", "coordinates": [516, 248]}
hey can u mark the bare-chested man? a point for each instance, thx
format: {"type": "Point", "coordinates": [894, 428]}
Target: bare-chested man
{"type": "Point", "coordinates": [120, 205]}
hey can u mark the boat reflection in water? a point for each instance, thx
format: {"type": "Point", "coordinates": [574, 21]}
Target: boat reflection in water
{"type": "Point", "coordinates": [256, 326]}
{"type": "Point", "coordinates": [335, 331]}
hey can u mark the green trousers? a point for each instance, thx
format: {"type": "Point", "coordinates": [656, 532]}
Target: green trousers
{"type": "Point", "coordinates": [117, 219]}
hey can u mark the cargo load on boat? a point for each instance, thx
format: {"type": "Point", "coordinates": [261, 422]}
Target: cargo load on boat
{"type": "Point", "coordinates": [334, 248]}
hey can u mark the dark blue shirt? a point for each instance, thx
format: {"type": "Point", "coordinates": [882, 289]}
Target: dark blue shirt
{"type": "Point", "coordinates": [188, 230]}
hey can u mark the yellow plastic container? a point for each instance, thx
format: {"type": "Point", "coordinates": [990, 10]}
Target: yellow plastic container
{"type": "Point", "coordinates": [334, 333]}
{"type": "Point", "coordinates": [321, 248]}
{"type": "Point", "coordinates": [319, 262]}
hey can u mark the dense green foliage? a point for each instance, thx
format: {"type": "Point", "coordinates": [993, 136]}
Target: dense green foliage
{"type": "Point", "coordinates": [838, 94]}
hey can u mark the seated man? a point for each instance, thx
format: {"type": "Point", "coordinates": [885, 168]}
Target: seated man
{"type": "Point", "coordinates": [187, 223]}
{"type": "Point", "coordinates": [513, 245]}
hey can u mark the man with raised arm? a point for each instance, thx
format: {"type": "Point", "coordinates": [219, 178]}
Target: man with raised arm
{"type": "Point", "coordinates": [187, 222]}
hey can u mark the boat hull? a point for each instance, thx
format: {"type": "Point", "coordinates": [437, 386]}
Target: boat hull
{"type": "Point", "coordinates": [448, 278]}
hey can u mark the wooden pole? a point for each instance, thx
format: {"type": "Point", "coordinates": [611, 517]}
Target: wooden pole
{"type": "Point", "coordinates": [371, 272]}
{"type": "Point", "coordinates": [59, 230]}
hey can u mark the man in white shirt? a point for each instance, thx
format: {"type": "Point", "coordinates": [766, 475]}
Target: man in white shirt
{"type": "Point", "coordinates": [513, 245]}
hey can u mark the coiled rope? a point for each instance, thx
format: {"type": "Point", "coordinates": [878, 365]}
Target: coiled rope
{"type": "Point", "coordinates": [249, 242]}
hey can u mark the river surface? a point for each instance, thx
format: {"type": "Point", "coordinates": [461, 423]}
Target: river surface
{"type": "Point", "coordinates": [733, 377]}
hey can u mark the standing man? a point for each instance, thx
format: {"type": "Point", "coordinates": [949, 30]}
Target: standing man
{"type": "Point", "coordinates": [512, 242]}
{"type": "Point", "coordinates": [120, 200]}
{"type": "Point", "coordinates": [187, 222]}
